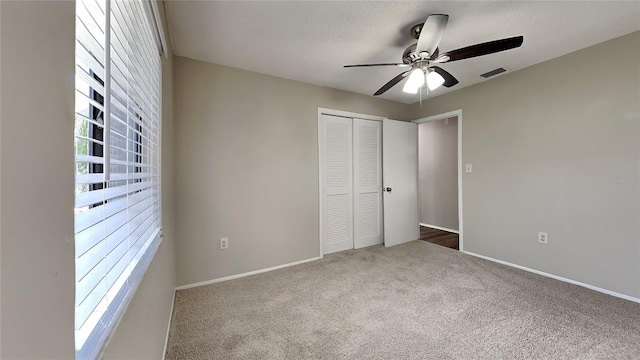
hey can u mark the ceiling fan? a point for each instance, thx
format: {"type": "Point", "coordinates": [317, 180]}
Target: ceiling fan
{"type": "Point", "coordinates": [422, 55]}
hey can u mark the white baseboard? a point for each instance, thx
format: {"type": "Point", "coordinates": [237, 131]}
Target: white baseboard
{"type": "Point", "coordinates": [166, 339]}
{"type": "Point", "coordinates": [232, 277]}
{"type": "Point", "coordinates": [440, 228]}
{"type": "Point", "coordinates": [595, 288]}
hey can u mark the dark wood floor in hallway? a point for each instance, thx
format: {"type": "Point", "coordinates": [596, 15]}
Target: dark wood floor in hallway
{"type": "Point", "coordinates": [439, 237]}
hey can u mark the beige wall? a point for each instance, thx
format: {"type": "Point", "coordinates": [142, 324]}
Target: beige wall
{"type": "Point", "coordinates": [37, 249]}
{"type": "Point", "coordinates": [556, 148]}
{"type": "Point", "coordinates": [248, 167]}
{"type": "Point", "coordinates": [438, 173]}
{"type": "Point", "coordinates": [142, 332]}
{"type": "Point", "coordinates": [37, 179]}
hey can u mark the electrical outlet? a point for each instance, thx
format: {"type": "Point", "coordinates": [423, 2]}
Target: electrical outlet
{"type": "Point", "coordinates": [468, 168]}
{"type": "Point", "coordinates": [224, 243]}
{"type": "Point", "coordinates": [543, 238]}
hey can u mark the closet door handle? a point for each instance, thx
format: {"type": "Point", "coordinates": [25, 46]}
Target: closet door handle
{"type": "Point", "coordinates": [387, 189]}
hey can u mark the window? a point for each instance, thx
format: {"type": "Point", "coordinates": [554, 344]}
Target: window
{"type": "Point", "coordinates": [117, 157]}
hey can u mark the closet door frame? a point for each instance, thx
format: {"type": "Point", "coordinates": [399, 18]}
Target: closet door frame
{"type": "Point", "coordinates": [340, 113]}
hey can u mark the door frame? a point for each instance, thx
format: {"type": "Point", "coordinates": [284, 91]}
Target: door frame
{"type": "Point", "coordinates": [340, 113]}
{"type": "Point", "coordinates": [443, 116]}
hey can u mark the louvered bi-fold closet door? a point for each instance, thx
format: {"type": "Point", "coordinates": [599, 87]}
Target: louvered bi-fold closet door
{"type": "Point", "coordinates": [336, 166]}
{"type": "Point", "coordinates": [367, 182]}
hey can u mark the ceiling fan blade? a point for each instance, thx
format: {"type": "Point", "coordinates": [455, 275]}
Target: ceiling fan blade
{"type": "Point", "coordinates": [383, 64]}
{"type": "Point", "coordinates": [435, 54]}
{"type": "Point", "coordinates": [431, 33]}
{"type": "Point", "coordinates": [392, 83]}
{"type": "Point", "coordinates": [449, 80]}
{"type": "Point", "coordinates": [484, 48]}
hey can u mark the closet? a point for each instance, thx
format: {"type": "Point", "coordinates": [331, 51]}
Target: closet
{"type": "Point", "coordinates": [350, 159]}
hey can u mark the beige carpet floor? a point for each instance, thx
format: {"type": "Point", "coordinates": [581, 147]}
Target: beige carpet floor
{"type": "Point", "coordinates": [412, 301]}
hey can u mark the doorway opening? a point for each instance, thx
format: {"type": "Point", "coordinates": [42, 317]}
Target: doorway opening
{"type": "Point", "coordinates": [440, 237]}
{"type": "Point", "coordinates": [440, 179]}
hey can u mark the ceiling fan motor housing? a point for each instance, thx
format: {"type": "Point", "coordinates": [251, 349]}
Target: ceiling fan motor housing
{"type": "Point", "coordinates": [410, 55]}
{"type": "Point", "coordinates": [415, 31]}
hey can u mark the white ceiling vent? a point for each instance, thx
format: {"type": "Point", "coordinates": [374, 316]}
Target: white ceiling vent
{"type": "Point", "coordinates": [495, 72]}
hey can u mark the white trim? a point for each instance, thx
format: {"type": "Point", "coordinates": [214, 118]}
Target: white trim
{"type": "Point", "coordinates": [440, 228]}
{"type": "Point", "coordinates": [556, 277]}
{"type": "Point", "coordinates": [163, 39]}
{"type": "Point", "coordinates": [153, 14]}
{"type": "Point", "coordinates": [237, 276]}
{"type": "Point", "coordinates": [348, 114]}
{"type": "Point", "coordinates": [457, 113]}
{"type": "Point", "coordinates": [320, 186]}
{"type": "Point", "coordinates": [166, 339]}
{"type": "Point", "coordinates": [439, 116]}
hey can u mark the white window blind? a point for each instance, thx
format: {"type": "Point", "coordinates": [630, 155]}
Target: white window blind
{"type": "Point", "coordinates": [117, 138]}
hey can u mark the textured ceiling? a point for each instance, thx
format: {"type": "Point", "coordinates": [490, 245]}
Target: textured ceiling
{"type": "Point", "coordinates": [309, 41]}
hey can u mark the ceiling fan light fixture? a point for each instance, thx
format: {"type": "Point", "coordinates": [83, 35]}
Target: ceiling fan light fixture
{"type": "Point", "coordinates": [409, 90]}
{"type": "Point", "coordinates": [434, 80]}
{"type": "Point", "coordinates": [414, 82]}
